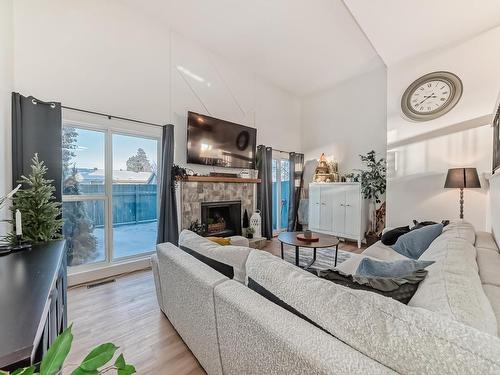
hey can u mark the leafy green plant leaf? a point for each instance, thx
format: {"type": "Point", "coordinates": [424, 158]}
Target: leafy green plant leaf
{"type": "Point", "coordinates": [80, 371]}
{"type": "Point", "coordinates": [127, 370]}
{"type": "Point", "coordinates": [55, 356]}
{"type": "Point", "coordinates": [120, 362]}
{"type": "Point", "coordinates": [23, 371]}
{"type": "Point", "coordinates": [98, 357]}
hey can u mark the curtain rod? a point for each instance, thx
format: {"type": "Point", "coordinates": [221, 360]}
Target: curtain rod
{"type": "Point", "coordinates": [110, 116]}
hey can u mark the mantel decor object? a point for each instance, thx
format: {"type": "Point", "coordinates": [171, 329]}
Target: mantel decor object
{"type": "Point", "coordinates": [462, 178]}
{"type": "Point", "coordinates": [323, 171]}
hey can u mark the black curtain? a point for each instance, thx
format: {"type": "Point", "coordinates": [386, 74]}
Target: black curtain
{"type": "Point", "coordinates": [168, 226]}
{"type": "Point", "coordinates": [36, 128]}
{"type": "Point", "coordinates": [296, 170]}
{"type": "Point", "coordinates": [265, 189]}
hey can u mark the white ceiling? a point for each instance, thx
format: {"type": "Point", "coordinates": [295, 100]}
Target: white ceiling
{"type": "Point", "coordinates": [400, 29]}
{"type": "Point", "coordinates": [301, 46]}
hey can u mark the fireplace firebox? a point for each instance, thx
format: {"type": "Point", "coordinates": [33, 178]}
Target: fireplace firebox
{"type": "Point", "coordinates": [222, 219]}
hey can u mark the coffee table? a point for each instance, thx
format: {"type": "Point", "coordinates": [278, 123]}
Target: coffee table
{"type": "Point", "coordinates": [325, 240]}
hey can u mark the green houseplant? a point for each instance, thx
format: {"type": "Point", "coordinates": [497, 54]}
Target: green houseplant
{"type": "Point", "coordinates": [373, 186]}
{"type": "Point", "coordinates": [95, 363]}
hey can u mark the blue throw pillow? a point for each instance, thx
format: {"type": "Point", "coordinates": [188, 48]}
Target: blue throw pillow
{"type": "Point", "coordinates": [398, 268]}
{"type": "Point", "coordinates": [414, 243]}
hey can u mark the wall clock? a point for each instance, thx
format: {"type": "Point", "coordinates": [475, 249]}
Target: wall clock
{"type": "Point", "coordinates": [431, 96]}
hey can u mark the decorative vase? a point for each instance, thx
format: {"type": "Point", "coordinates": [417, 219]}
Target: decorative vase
{"type": "Point", "coordinates": [256, 223]}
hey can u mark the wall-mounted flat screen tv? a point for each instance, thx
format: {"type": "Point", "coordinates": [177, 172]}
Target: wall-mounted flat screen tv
{"type": "Point", "coordinates": [215, 142]}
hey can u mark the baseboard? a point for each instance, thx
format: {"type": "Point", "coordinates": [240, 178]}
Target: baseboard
{"type": "Point", "coordinates": [89, 275]}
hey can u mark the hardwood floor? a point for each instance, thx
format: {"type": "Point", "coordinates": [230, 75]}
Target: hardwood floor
{"type": "Point", "coordinates": [126, 313]}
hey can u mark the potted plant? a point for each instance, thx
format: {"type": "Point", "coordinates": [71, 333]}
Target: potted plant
{"type": "Point", "coordinates": [250, 232]}
{"type": "Point", "coordinates": [373, 186]}
{"type": "Point", "coordinates": [197, 227]}
{"type": "Point", "coordinates": [96, 362]}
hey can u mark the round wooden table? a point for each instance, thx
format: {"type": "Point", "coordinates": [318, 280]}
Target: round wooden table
{"type": "Point", "coordinates": [325, 240]}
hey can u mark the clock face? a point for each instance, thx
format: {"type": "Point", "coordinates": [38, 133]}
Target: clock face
{"type": "Point", "coordinates": [431, 96]}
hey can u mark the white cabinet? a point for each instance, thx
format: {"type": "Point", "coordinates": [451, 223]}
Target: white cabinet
{"type": "Point", "coordinates": [339, 209]}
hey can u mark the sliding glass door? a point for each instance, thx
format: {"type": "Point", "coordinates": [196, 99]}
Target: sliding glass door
{"type": "Point", "coordinates": [110, 202]}
{"type": "Point", "coordinates": [281, 186]}
{"type": "Point", "coordinates": [135, 203]}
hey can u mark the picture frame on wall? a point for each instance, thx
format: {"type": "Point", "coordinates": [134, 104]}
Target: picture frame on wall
{"type": "Point", "coordinates": [496, 141]}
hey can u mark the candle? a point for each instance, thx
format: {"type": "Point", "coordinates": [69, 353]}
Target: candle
{"type": "Point", "coordinates": [19, 225]}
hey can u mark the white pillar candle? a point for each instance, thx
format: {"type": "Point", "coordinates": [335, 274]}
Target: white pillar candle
{"type": "Point", "coordinates": [19, 225]}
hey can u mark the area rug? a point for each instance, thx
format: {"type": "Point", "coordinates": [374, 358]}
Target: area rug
{"type": "Point", "coordinates": [325, 258]}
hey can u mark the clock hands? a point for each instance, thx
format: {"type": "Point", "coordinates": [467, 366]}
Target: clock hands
{"type": "Point", "coordinates": [427, 97]}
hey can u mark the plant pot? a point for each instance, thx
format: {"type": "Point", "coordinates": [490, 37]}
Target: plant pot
{"type": "Point", "coordinates": [249, 235]}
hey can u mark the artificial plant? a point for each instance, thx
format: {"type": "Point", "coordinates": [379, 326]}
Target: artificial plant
{"type": "Point", "coordinates": [95, 363]}
{"type": "Point", "coordinates": [373, 184]}
{"type": "Point", "coordinates": [39, 208]}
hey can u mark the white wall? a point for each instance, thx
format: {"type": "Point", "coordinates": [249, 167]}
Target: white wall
{"type": "Point", "coordinates": [6, 85]}
{"type": "Point", "coordinates": [419, 154]}
{"type": "Point", "coordinates": [112, 58]}
{"type": "Point", "coordinates": [347, 120]}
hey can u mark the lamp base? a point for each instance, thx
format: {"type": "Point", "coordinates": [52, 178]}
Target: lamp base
{"type": "Point", "coordinates": [461, 203]}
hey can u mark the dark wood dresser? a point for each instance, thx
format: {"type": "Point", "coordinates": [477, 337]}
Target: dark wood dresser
{"type": "Point", "coordinates": [33, 307]}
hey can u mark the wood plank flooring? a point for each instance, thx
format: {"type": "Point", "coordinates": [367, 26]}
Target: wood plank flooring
{"type": "Point", "coordinates": [126, 313]}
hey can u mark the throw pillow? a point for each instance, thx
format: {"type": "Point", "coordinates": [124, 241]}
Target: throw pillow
{"type": "Point", "coordinates": [220, 240]}
{"type": "Point", "coordinates": [418, 225]}
{"type": "Point", "coordinates": [390, 237]}
{"type": "Point", "coordinates": [403, 293]}
{"type": "Point", "coordinates": [414, 243]}
{"type": "Point", "coordinates": [397, 268]}
{"type": "Point", "coordinates": [223, 268]}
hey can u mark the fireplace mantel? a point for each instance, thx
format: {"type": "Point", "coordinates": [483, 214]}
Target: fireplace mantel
{"type": "Point", "coordinates": [222, 179]}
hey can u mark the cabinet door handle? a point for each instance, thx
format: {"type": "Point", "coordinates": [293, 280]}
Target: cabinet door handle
{"type": "Point", "coordinates": [341, 205]}
{"type": "Point", "coordinates": [348, 205]}
{"type": "Point", "coordinates": [323, 204]}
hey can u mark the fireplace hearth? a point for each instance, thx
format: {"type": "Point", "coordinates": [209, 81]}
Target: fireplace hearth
{"type": "Point", "coordinates": [222, 219]}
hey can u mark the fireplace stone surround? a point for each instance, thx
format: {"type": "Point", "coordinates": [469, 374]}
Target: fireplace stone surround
{"type": "Point", "coordinates": [193, 193]}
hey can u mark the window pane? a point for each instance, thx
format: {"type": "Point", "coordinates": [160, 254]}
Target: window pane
{"type": "Point", "coordinates": [83, 230]}
{"type": "Point", "coordinates": [83, 161]}
{"type": "Point", "coordinates": [134, 195]}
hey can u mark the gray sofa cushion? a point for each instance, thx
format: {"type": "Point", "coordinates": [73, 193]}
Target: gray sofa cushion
{"type": "Point", "coordinates": [408, 340]}
{"type": "Point", "coordinates": [452, 287]}
{"type": "Point", "coordinates": [488, 261]}
{"type": "Point", "coordinates": [235, 256]}
{"type": "Point", "coordinates": [259, 337]}
{"type": "Point", "coordinates": [485, 240]}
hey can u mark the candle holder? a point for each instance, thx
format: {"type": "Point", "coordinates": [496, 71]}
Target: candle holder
{"type": "Point", "coordinates": [20, 244]}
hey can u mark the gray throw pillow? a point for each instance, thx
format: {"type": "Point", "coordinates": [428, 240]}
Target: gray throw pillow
{"type": "Point", "coordinates": [398, 268]}
{"type": "Point", "coordinates": [414, 243]}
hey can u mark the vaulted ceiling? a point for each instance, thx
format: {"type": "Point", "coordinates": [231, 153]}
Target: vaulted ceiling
{"type": "Point", "coordinates": [400, 29]}
{"type": "Point", "coordinates": [301, 46]}
{"type": "Point", "coordinates": [306, 46]}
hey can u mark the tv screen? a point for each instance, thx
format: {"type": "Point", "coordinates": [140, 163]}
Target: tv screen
{"type": "Point", "coordinates": [211, 141]}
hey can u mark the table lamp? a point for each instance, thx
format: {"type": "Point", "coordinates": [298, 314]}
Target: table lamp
{"type": "Point", "coordinates": [462, 178]}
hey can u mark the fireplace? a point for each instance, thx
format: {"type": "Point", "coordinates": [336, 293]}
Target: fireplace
{"type": "Point", "coordinates": [222, 219]}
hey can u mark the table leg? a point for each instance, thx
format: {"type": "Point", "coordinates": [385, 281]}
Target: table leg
{"type": "Point", "coordinates": [336, 252]}
{"type": "Point", "coordinates": [312, 261]}
{"type": "Point", "coordinates": [297, 256]}
{"type": "Point", "coordinates": [282, 256]}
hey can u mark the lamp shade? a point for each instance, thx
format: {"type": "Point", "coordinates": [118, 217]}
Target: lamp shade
{"type": "Point", "coordinates": [463, 178]}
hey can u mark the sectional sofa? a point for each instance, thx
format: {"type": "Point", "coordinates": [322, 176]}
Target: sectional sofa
{"type": "Point", "coordinates": [449, 326]}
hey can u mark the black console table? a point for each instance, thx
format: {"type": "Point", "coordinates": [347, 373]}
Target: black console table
{"type": "Point", "coordinates": [32, 303]}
